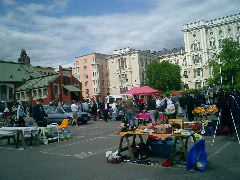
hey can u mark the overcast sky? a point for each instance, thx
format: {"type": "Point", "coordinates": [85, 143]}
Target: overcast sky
{"type": "Point", "coordinates": [53, 32]}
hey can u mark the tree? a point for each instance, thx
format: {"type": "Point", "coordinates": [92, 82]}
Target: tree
{"type": "Point", "coordinates": [163, 76]}
{"type": "Point", "coordinates": [226, 69]}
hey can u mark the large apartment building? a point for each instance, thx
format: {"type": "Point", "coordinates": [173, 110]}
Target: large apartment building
{"type": "Point", "coordinates": [92, 71]}
{"type": "Point", "coordinates": [127, 68]}
{"type": "Point", "coordinates": [202, 42]}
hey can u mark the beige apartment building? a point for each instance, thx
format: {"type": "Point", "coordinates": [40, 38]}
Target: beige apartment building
{"type": "Point", "coordinates": [92, 71]}
{"type": "Point", "coordinates": [127, 69]}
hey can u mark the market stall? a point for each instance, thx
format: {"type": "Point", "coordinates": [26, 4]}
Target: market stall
{"type": "Point", "coordinates": [169, 141]}
{"type": "Point", "coordinates": [142, 90]}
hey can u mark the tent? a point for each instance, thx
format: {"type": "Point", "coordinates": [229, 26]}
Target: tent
{"type": "Point", "coordinates": [142, 91]}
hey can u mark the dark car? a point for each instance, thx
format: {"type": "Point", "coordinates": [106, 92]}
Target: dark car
{"type": "Point", "coordinates": [57, 114]}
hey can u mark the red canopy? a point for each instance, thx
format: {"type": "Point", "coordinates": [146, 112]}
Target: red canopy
{"type": "Point", "coordinates": [142, 90]}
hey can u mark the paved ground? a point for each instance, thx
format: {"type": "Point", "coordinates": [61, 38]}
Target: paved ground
{"type": "Point", "coordinates": [83, 157]}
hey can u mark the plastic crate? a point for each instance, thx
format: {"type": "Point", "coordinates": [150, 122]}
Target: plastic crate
{"type": "Point", "coordinates": [162, 149]}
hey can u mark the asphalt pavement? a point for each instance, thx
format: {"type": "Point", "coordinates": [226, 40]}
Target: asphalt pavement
{"type": "Point", "coordinates": [83, 157]}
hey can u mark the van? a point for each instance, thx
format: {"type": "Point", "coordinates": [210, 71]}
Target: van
{"type": "Point", "coordinates": [111, 98]}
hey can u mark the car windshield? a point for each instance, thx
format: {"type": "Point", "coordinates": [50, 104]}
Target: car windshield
{"type": "Point", "coordinates": [67, 109]}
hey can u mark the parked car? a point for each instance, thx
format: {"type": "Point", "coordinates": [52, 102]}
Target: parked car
{"type": "Point", "coordinates": [57, 114]}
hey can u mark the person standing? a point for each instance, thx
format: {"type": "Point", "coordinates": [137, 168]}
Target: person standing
{"type": "Point", "coordinates": [190, 106]}
{"type": "Point", "coordinates": [20, 115]}
{"type": "Point", "coordinates": [74, 108]}
{"type": "Point", "coordinates": [151, 108]}
{"type": "Point", "coordinates": [6, 112]}
{"type": "Point", "coordinates": [39, 114]}
{"type": "Point", "coordinates": [130, 111]}
{"type": "Point", "coordinates": [183, 105]}
{"type": "Point", "coordinates": [94, 109]}
{"type": "Point", "coordinates": [114, 110]}
{"type": "Point", "coordinates": [105, 111]}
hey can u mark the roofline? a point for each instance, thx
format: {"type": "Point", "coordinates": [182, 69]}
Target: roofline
{"type": "Point", "coordinates": [12, 62]}
{"type": "Point", "coordinates": [92, 54]}
{"type": "Point", "coordinates": [44, 67]}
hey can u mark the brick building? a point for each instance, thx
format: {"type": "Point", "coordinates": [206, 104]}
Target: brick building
{"type": "Point", "coordinates": [63, 87]}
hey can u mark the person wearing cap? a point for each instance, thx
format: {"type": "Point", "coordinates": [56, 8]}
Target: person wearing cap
{"type": "Point", "coordinates": [20, 115]}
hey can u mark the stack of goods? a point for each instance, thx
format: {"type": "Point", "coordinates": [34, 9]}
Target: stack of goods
{"type": "Point", "coordinates": [206, 110]}
{"type": "Point", "coordinates": [199, 111]}
{"type": "Point", "coordinates": [64, 134]}
{"type": "Point", "coordinates": [212, 109]}
{"type": "Point", "coordinates": [163, 129]}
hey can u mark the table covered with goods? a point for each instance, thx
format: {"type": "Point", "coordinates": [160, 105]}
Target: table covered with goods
{"type": "Point", "coordinates": [148, 143]}
{"type": "Point", "coordinates": [35, 134]}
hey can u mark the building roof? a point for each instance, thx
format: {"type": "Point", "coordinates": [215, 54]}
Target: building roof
{"type": "Point", "coordinates": [172, 51]}
{"type": "Point", "coordinates": [16, 72]}
{"type": "Point", "coordinates": [38, 82]}
{"type": "Point", "coordinates": [71, 88]}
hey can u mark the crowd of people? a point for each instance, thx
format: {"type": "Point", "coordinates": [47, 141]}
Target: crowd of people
{"type": "Point", "coordinates": [181, 104]}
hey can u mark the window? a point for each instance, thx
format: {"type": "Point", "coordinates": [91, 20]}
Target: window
{"type": "Point", "coordinates": [18, 96]}
{"type": "Point", "coordinates": [86, 83]}
{"type": "Point", "coordinates": [85, 67]}
{"type": "Point", "coordinates": [126, 78]}
{"type": "Point", "coordinates": [198, 72]}
{"type": "Point", "coordinates": [34, 93]}
{"type": "Point", "coordinates": [85, 61]}
{"type": "Point", "coordinates": [220, 42]}
{"type": "Point", "coordinates": [229, 30]}
{"type": "Point", "coordinates": [212, 44]}
{"type": "Point", "coordinates": [211, 33]}
{"type": "Point", "coordinates": [76, 64]}
{"type": "Point", "coordinates": [125, 62]}
{"type": "Point", "coordinates": [23, 95]}
{"type": "Point", "coordinates": [220, 32]}
{"type": "Point", "coordinates": [194, 35]}
{"type": "Point", "coordinates": [94, 82]}
{"type": "Point", "coordinates": [39, 93]}
{"type": "Point", "coordinates": [102, 82]}
{"type": "Point", "coordinates": [185, 74]}
{"type": "Point", "coordinates": [56, 91]}
{"type": "Point", "coordinates": [45, 92]}
{"type": "Point", "coordinates": [86, 91]}
{"type": "Point", "coordinates": [4, 89]}
{"type": "Point", "coordinates": [238, 28]}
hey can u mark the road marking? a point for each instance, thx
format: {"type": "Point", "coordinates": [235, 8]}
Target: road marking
{"type": "Point", "coordinates": [219, 150]}
{"type": "Point", "coordinates": [82, 155]}
{"type": "Point", "coordinates": [72, 143]}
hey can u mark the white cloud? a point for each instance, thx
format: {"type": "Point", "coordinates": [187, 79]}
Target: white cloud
{"type": "Point", "coordinates": [51, 40]}
{"type": "Point", "coordinates": [8, 2]}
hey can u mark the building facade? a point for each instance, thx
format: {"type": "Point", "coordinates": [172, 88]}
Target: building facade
{"type": "Point", "coordinates": [203, 42]}
{"type": "Point", "coordinates": [92, 70]}
{"type": "Point", "coordinates": [127, 69]}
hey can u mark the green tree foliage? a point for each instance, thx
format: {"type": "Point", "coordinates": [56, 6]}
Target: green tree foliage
{"type": "Point", "coordinates": [163, 76]}
{"type": "Point", "coordinates": [229, 63]}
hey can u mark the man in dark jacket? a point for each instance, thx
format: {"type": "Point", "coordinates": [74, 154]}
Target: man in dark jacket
{"type": "Point", "coordinates": [39, 114]}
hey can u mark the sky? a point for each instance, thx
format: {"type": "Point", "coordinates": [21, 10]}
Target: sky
{"type": "Point", "coordinates": [54, 32]}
